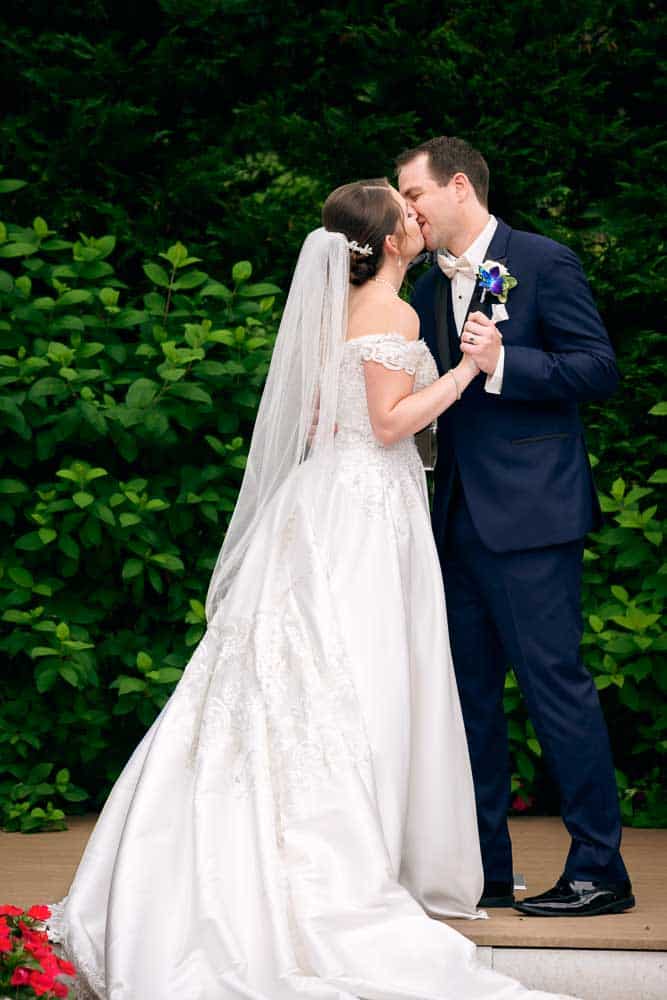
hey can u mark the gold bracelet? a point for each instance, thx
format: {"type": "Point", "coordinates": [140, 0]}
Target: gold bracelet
{"type": "Point", "coordinates": [458, 387]}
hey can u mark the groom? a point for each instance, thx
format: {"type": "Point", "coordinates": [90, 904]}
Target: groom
{"type": "Point", "coordinates": [514, 498]}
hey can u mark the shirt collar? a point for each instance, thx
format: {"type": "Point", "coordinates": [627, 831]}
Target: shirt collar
{"type": "Point", "coordinates": [477, 249]}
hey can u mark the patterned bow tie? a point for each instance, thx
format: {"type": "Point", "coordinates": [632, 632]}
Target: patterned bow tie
{"type": "Point", "coordinates": [460, 265]}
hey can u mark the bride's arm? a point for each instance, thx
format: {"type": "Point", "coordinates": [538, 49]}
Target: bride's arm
{"type": "Point", "coordinates": [397, 412]}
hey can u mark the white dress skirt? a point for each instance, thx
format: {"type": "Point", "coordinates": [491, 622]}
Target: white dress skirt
{"type": "Point", "coordinates": [299, 820]}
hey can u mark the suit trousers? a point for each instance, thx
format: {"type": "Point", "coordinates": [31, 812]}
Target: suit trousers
{"type": "Point", "coordinates": [523, 609]}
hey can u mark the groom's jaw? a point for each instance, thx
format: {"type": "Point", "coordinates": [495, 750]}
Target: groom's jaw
{"type": "Point", "coordinates": [429, 240]}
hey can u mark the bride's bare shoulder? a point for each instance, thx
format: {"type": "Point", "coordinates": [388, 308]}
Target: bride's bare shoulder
{"type": "Point", "coordinates": [397, 316]}
{"type": "Point", "coordinates": [407, 320]}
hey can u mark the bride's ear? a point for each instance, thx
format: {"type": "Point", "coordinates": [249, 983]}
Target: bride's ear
{"type": "Point", "coordinates": [391, 247]}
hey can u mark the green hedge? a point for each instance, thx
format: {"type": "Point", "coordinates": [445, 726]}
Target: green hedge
{"type": "Point", "coordinates": [125, 421]}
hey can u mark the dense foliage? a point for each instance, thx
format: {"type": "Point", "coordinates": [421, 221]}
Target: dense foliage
{"type": "Point", "coordinates": [125, 424]}
{"type": "Point", "coordinates": [127, 389]}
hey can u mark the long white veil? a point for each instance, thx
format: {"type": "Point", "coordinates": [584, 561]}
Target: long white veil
{"type": "Point", "coordinates": [301, 389]}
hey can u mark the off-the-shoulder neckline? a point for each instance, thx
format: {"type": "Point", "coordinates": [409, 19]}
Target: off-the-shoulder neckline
{"type": "Point", "coordinates": [394, 334]}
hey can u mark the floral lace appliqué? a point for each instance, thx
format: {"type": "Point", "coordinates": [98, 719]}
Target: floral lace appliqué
{"type": "Point", "coordinates": [393, 351]}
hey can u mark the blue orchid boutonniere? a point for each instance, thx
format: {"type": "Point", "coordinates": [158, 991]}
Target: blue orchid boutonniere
{"type": "Point", "coordinates": [496, 279]}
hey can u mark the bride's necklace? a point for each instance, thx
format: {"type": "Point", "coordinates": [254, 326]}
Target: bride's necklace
{"type": "Point", "coordinates": [383, 281]}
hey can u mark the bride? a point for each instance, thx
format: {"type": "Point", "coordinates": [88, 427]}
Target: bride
{"type": "Point", "coordinates": [300, 817]}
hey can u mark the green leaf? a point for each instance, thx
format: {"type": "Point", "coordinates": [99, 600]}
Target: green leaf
{"type": "Point", "coordinates": [190, 279]}
{"type": "Point", "coordinates": [69, 674]}
{"type": "Point", "coordinates": [83, 499]}
{"type": "Point", "coordinates": [259, 290]}
{"type": "Point", "coordinates": [75, 297]}
{"type": "Point", "coordinates": [12, 486]}
{"type": "Point", "coordinates": [156, 274]}
{"type": "Point", "coordinates": [168, 561]}
{"type": "Point", "coordinates": [128, 685]}
{"type": "Point", "coordinates": [216, 290]}
{"type": "Point", "coordinates": [39, 773]}
{"type": "Point", "coordinates": [177, 255]}
{"type": "Point", "coordinates": [618, 488]}
{"type": "Point", "coordinates": [596, 623]}
{"type": "Point", "coordinates": [8, 185]}
{"type": "Point", "coordinates": [69, 547]}
{"type": "Point", "coordinates": [660, 477]}
{"type": "Point", "coordinates": [659, 410]}
{"type": "Point", "coordinates": [128, 318]}
{"type": "Point", "coordinates": [241, 271]}
{"type": "Point", "coordinates": [166, 675]}
{"type": "Point", "coordinates": [18, 249]}
{"type": "Point", "coordinates": [144, 661]}
{"type": "Point", "coordinates": [132, 568]}
{"type": "Point", "coordinates": [194, 393]}
{"type": "Point", "coordinates": [21, 576]}
{"type": "Point", "coordinates": [48, 386]}
{"type": "Point", "coordinates": [128, 519]}
{"type": "Point", "coordinates": [141, 393]}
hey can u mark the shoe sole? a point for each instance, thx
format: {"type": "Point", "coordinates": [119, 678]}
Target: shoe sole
{"type": "Point", "coordinates": [617, 907]}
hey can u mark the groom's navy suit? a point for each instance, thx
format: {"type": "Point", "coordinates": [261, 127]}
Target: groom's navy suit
{"type": "Point", "coordinates": [514, 497]}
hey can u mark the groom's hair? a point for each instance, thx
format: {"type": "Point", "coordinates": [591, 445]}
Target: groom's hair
{"type": "Point", "coordinates": [449, 155]}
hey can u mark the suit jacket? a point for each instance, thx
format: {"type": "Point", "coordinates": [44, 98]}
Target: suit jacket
{"type": "Point", "coordinates": [521, 455]}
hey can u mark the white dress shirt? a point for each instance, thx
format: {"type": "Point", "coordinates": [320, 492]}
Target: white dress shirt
{"type": "Point", "coordinates": [462, 289]}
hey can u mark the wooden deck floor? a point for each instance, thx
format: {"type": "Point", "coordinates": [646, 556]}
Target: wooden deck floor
{"type": "Point", "coordinates": [38, 868]}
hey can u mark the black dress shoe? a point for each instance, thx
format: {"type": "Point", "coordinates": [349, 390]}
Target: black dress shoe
{"type": "Point", "coordinates": [497, 894]}
{"type": "Point", "coordinates": [576, 898]}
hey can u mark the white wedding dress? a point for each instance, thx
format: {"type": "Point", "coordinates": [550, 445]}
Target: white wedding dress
{"type": "Point", "coordinates": [304, 799]}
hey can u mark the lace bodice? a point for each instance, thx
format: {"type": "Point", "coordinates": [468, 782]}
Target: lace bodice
{"type": "Point", "coordinates": [396, 354]}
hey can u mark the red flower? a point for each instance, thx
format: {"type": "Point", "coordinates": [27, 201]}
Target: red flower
{"type": "Point", "coordinates": [10, 911]}
{"type": "Point", "coordinates": [60, 990]}
{"type": "Point", "coordinates": [37, 948]}
{"type": "Point", "coordinates": [30, 934]}
{"type": "Point", "coordinates": [20, 976]}
{"type": "Point", "coordinates": [66, 967]}
{"type": "Point", "coordinates": [5, 943]}
{"type": "Point", "coordinates": [39, 912]}
{"type": "Point", "coordinates": [520, 804]}
{"type": "Point", "coordinates": [41, 982]}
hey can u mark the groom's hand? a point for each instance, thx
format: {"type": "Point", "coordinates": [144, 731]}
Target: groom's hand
{"type": "Point", "coordinates": [481, 340]}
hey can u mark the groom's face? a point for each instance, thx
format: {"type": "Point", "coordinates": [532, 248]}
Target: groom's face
{"type": "Point", "coordinates": [437, 206]}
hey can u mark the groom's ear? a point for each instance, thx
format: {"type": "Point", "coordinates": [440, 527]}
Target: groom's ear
{"type": "Point", "coordinates": [461, 184]}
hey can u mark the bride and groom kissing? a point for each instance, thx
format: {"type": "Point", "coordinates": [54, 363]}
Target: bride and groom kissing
{"type": "Point", "coordinates": [329, 780]}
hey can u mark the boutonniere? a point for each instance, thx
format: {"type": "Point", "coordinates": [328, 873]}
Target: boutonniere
{"type": "Point", "coordinates": [496, 279]}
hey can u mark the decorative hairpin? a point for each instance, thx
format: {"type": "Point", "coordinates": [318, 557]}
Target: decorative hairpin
{"type": "Point", "coordinates": [366, 250]}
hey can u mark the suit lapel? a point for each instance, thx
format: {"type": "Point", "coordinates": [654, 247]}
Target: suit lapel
{"type": "Point", "coordinates": [496, 250]}
{"type": "Point", "coordinates": [442, 304]}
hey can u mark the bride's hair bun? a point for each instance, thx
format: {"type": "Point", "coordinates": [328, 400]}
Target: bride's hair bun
{"type": "Point", "coordinates": [365, 212]}
{"type": "Point", "coordinates": [361, 268]}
